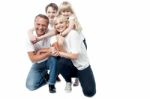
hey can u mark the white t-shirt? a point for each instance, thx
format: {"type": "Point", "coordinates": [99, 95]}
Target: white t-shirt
{"type": "Point", "coordinates": [45, 43]}
{"type": "Point", "coordinates": [74, 43]}
{"type": "Point", "coordinates": [72, 17]}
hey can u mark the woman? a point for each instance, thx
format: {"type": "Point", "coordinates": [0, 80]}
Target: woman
{"type": "Point", "coordinates": [73, 61]}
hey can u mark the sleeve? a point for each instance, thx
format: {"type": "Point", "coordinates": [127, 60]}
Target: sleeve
{"type": "Point", "coordinates": [29, 46]}
{"type": "Point", "coordinates": [75, 42]}
{"type": "Point", "coordinates": [53, 40]}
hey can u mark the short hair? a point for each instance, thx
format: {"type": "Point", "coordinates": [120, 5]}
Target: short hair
{"type": "Point", "coordinates": [53, 5]}
{"type": "Point", "coordinates": [42, 16]}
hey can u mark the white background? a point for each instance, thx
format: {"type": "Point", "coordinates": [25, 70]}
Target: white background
{"type": "Point", "coordinates": [118, 38]}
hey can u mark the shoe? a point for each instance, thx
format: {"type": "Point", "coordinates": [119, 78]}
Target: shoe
{"type": "Point", "coordinates": [68, 87]}
{"type": "Point", "coordinates": [52, 89]}
{"type": "Point", "coordinates": [76, 83]}
{"type": "Point", "coordinates": [58, 79]}
{"type": "Point", "coordinates": [46, 77]}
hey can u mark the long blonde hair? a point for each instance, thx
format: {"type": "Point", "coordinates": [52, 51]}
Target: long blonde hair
{"type": "Point", "coordinates": [66, 6]}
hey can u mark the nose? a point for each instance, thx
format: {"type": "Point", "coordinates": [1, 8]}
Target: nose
{"type": "Point", "coordinates": [40, 27]}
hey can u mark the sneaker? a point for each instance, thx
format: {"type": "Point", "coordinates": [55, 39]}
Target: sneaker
{"type": "Point", "coordinates": [68, 87]}
{"type": "Point", "coordinates": [52, 89]}
{"type": "Point", "coordinates": [76, 83]}
{"type": "Point", "coordinates": [58, 79]}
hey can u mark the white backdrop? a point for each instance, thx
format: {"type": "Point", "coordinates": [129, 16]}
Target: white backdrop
{"type": "Point", "coordinates": [118, 38]}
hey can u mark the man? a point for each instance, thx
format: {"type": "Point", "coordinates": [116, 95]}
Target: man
{"type": "Point", "coordinates": [41, 54]}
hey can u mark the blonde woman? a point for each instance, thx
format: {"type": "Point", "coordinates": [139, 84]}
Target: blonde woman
{"type": "Point", "coordinates": [67, 11]}
{"type": "Point", "coordinates": [74, 62]}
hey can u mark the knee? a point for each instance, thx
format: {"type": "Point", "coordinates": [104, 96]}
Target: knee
{"type": "Point", "coordinates": [90, 93]}
{"type": "Point", "coordinates": [30, 86]}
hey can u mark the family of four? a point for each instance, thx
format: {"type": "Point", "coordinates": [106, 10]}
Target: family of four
{"type": "Point", "coordinates": [58, 50]}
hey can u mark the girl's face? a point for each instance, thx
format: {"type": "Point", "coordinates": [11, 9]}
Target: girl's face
{"type": "Point", "coordinates": [66, 13]}
{"type": "Point", "coordinates": [51, 13]}
{"type": "Point", "coordinates": [60, 25]}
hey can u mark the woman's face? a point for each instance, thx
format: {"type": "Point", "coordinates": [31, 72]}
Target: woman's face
{"type": "Point", "coordinates": [60, 25]}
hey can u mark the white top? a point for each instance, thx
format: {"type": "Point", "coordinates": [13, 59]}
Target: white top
{"type": "Point", "coordinates": [74, 43]}
{"type": "Point", "coordinates": [44, 43]}
{"type": "Point", "coordinates": [72, 17]}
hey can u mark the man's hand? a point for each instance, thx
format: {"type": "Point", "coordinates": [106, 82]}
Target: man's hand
{"type": "Point", "coordinates": [45, 50]}
{"type": "Point", "coordinates": [54, 52]}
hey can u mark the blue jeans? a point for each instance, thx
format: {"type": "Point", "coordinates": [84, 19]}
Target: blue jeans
{"type": "Point", "coordinates": [38, 71]}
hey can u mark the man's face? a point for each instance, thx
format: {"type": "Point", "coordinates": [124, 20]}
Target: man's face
{"type": "Point", "coordinates": [41, 26]}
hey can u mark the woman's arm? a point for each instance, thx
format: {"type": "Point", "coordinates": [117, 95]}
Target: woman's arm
{"type": "Point", "coordinates": [68, 55]}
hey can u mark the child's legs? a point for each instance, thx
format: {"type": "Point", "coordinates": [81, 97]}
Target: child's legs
{"type": "Point", "coordinates": [36, 76]}
{"type": "Point", "coordinates": [87, 82]}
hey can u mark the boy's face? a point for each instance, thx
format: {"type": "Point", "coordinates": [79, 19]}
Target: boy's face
{"type": "Point", "coordinates": [41, 26]}
{"type": "Point", "coordinates": [60, 25]}
{"type": "Point", "coordinates": [51, 13]}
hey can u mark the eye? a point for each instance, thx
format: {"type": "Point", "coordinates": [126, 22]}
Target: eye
{"type": "Point", "coordinates": [61, 22]}
{"type": "Point", "coordinates": [55, 24]}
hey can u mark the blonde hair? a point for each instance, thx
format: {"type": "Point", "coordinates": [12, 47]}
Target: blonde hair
{"type": "Point", "coordinates": [60, 18]}
{"type": "Point", "coordinates": [66, 6]}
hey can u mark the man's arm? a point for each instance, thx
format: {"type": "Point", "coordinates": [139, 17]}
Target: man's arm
{"type": "Point", "coordinates": [39, 55]}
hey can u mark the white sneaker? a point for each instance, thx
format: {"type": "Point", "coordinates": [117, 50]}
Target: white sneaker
{"type": "Point", "coordinates": [68, 87]}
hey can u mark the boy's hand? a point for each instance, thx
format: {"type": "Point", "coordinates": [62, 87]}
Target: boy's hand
{"type": "Point", "coordinates": [33, 39]}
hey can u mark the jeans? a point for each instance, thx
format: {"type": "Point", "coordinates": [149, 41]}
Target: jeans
{"type": "Point", "coordinates": [86, 77]}
{"type": "Point", "coordinates": [38, 71]}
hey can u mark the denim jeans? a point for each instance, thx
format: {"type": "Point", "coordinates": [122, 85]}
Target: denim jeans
{"type": "Point", "coordinates": [38, 71]}
{"type": "Point", "coordinates": [86, 77]}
